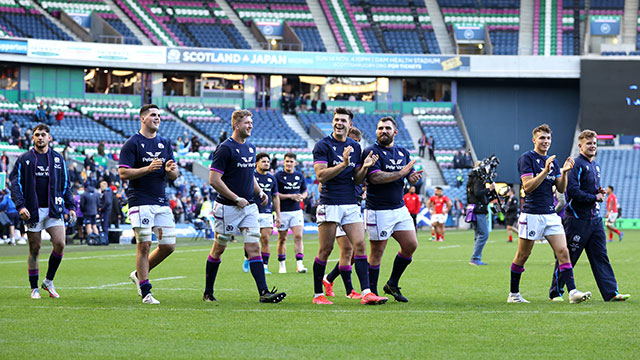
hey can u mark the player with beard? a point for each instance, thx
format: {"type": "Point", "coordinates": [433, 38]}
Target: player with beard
{"type": "Point", "coordinates": [386, 215]}
{"type": "Point", "coordinates": [339, 166]}
{"type": "Point", "coordinates": [40, 191]}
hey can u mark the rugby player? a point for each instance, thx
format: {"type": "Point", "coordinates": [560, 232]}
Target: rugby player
{"type": "Point", "coordinates": [439, 212]}
{"type": "Point", "coordinates": [232, 176]}
{"type": "Point", "coordinates": [40, 190]}
{"type": "Point", "coordinates": [145, 160]}
{"type": "Point", "coordinates": [612, 214]}
{"type": "Point", "coordinates": [538, 173]}
{"type": "Point", "coordinates": [269, 186]}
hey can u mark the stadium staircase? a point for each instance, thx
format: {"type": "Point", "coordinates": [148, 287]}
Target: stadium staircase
{"type": "Point", "coordinates": [135, 31]}
{"type": "Point", "coordinates": [439, 28]}
{"type": "Point", "coordinates": [298, 128]}
{"type": "Point", "coordinates": [525, 35]}
{"type": "Point", "coordinates": [347, 32]}
{"type": "Point", "coordinates": [147, 22]}
{"type": "Point", "coordinates": [630, 22]}
{"type": "Point", "coordinates": [52, 19]}
{"type": "Point", "coordinates": [239, 25]}
{"type": "Point", "coordinates": [547, 27]}
{"type": "Point", "coordinates": [323, 26]}
{"type": "Point", "coordinates": [23, 20]}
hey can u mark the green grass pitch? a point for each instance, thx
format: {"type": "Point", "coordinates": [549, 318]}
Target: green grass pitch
{"type": "Point", "coordinates": [455, 310]}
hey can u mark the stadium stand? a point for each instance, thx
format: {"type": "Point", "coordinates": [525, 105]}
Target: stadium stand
{"type": "Point", "coordinates": [502, 18]}
{"type": "Point", "coordinates": [620, 168]}
{"type": "Point", "coordinates": [23, 20]}
{"type": "Point", "coordinates": [295, 13]}
{"type": "Point", "coordinates": [269, 126]}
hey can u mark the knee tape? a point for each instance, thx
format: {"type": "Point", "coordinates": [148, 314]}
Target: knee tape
{"type": "Point", "coordinates": [166, 235]}
{"type": "Point", "coordinates": [223, 239]}
{"type": "Point", "coordinates": [250, 236]}
{"type": "Point", "coordinates": [142, 234]}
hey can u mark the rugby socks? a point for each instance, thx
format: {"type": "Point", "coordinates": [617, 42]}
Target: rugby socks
{"type": "Point", "coordinates": [616, 231]}
{"type": "Point", "coordinates": [319, 267]}
{"type": "Point", "coordinates": [362, 269]}
{"type": "Point", "coordinates": [299, 258]}
{"type": "Point", "coordinates": [565, 276]}
{"type": "Point", "coordinates": [333, 275]}
{"type": "Point", "coordinates": [399, 266]}
{"type": "Point", "coordinates": [54, 263]}
{"type": "Point", "coordinates": [265, 258]}
{"type": "Point", "coordinates": [374, 275]}
{"type": "Point", "coordinates": [257, 271]}
{"type": "Point", "coordinates": [33, 278]}
{"type": "Point", "coordinates": [345, 273]}
{"type": "Point", "coordinates": [516, 273]}
{"type": "Point", "coordinates": [510, 238]}
{"type": "Point", "coordinates": [211, 272]}
{"type": "Point", "coordinates": [145, 287]}
{"type": "Point", "coordinates": [610, 236]}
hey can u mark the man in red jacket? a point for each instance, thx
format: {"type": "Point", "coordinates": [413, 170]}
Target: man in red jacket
{"type": "Point", "coordinates": [412, 202]}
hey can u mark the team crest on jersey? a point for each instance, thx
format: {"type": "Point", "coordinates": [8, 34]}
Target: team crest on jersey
{"type": "Point", "coordinates": [251, 150]}
{"type": "Point", "coordinates": [297, 177]}
{"type": "Point", "coordinates": [269, 180]}
{"type": "Point", "coordinates": [383, 233]}
{"type": "Point", "coordinates": [145, 221]}
{"type": "Point", "coordinates": [56, 160]}
{"type": "Point", "coordinates": [229, 228]}
{"type": "Point", "coordinates": [160, 146]}
{"type": "Point", "coordinates": [532, 233]}
{"type": "Point", "coordinates": [400, 153]}
{"type": "Point", "coordinates": [598, 168]}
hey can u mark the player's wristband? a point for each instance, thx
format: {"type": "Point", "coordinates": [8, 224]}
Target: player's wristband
{"type": "Point", "coordinates": [237, 199]}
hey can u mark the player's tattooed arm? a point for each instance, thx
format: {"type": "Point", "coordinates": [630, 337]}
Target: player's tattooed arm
{"type": "Point", "coordinates": [384, 177]}
{"type": "Point", "coordinates": [361, 172]}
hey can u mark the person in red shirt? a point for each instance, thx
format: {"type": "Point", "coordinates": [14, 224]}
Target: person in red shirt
{"type": "Point", "coordinates": [412, 202]}
{"type": "Point", "coordinates": [439, 206]}
{"type": "Point", "coordinates": [612, 214]}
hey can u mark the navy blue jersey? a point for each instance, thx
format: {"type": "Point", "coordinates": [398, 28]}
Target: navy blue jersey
{"type": "Point", "coordinates": [290, 183]}
{"type": "Point", "coordinates": [269, 185]}
{"type": "Point", "coordinates": [139, 152]}
{"type": "Point", "coordinates": [42, 179]}
{"type": "Point", "coordinates": [359, 190]}
{"type": "Point", "coordinates": [390, 159]}
{"type": "Point", "coordinates": [540, 200]}
{"type": "Point", "coordinates": [236, 162]}
{"type": "Point", "coordinates": [340, 189]}
{"type": "Point", "coordinates": [583, 184]}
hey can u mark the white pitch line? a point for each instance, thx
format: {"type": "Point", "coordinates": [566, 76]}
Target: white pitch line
{"type": "Point", "coordinates": [278, 308]}
{"type": "Point", "coordinates": [449, 247]}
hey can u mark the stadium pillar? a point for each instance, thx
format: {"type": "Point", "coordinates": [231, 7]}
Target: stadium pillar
{"type": "Point", "coordinates": [156, 87]}
{"type": "Point", "coordinates": [275, 90]}
{"type": "Point", "coordinates": [249, 97]}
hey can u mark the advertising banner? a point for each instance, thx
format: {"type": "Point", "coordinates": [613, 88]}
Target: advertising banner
{"type": "Point", "coordinates": [605, 25]}
{"type": "Point", "coordinates": [97, 51]}
{"type": "Point", "coordinates": [468, 32]}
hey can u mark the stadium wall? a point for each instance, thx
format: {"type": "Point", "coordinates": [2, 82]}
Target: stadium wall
{"type": "Point", "coordinates": [500, 115]}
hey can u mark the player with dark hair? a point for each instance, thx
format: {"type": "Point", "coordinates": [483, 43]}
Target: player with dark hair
{"type": "Point", "coordinates": [269, 186]}
{"type": "Point", "coordinates": [339, 166]}
{"type": "Point", "coordinates": [145, 160]}
{"type": "Point", "coordinates": [386, 214]}
{"type": "Point", "coordinates": [40, 190]}
{"type": "Point", "coordinates": [232, 176]}
{"type": "Point", "coordinates": [539, 173]}
{"type": "Point", "coordinates": [583, 223]}
{"type": "Point", "coordinates": [439, 205]}
{"type": "Point", "coordinates": [346, 250]}
{"type": "Point", "coordinates": [293, 190]}
{"type": "Point", "coordinates": [612, 214]}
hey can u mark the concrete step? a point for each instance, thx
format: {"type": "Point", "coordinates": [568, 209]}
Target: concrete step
{"type": "Point", "coordinates": [242, 28]}
{"type": "Point", "coordinates": [323, 26]}
{"type": "Point", "coordinates": [296, 126]}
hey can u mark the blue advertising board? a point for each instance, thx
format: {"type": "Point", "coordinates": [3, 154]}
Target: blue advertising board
{"type": "Point", "coordinates": [317, 61]}
{"type": "Point", "coordinates": [605, 25]}
{"type": "Point", "coordinates": [19, 47]}
{"type": "Point", "coordinates": [468, 32]}
{"type": "Point", "coordinates": [270, 28]}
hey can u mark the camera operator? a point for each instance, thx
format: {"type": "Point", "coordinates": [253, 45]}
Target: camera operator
{"type": "Point", "coordinates": [478, 197]}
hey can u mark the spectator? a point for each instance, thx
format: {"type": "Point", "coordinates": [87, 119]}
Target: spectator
{"type": "Point", "coordinates": [459, 178]}
{"type": "Point", "coordinates": [458, 160]}
{"type": "Point", "coordinates": [25, 141]}
{"type": "Point", "coordinates": [116, 210]}
{"type": "Point", "coordinates": [16, 134]}
{"type": "Point", "coordinates": [89, 162]}
{"type": "Point", "coordinates": [3, 136]}
{"type": "Point", "coordinates": [59, 116]}
{"type": "Point", "coordinates": [432, 146]}
{"type": "Point", "coordinates": [223, 136]}
{"type": "Point", "coordinates": [323, 107]}
{"type": "Point", "coordinates": [468, 161]}
{"type": "Point", "coordinates": [412, 202]}
{"type": "Point", "coordinates": [89, 201]}
{"type": "Point", "coordinates": [422, 144]}
{"type": "Point", "coordinates": [40, 115]}
{"type": "Point", "coordinates": [314, 105]}
{"type": "Point", "coordinates": [195, 144]}
{"type": "Point", "coordinates": [101, 148]}
{"type": "Point", "coordinates": [4, 162]}
{"type": "Point", "coordinates": [106, 204]}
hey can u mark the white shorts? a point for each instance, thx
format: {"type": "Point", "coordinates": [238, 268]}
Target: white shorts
{"type": "Point", "coordinates": [381, 224]}
{"type": "Point", "coordinates": [265, 220]}
{"type": "Point", "coordinates": [536, 226]}
{"type": "Point", "coordinates": [289, 219]}
{"type": "Point", "coordinates": [611, 219]}
{"type": "Point", "coordinates": [340, 232]}
{"type": "Point", "coordinates": [230, 218]}
{"type": "Point", "coordinates": [149, 216]}
{"type": "Point", "coordinates": [45, 221]}
{"type": "Point", "coordinates": [439, 218]}
{"type": "Point", "coordinates": [339, 214]}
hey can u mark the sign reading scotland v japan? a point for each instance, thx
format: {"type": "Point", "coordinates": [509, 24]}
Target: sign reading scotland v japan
{"type": "Point", "coordinates": [316, 60]}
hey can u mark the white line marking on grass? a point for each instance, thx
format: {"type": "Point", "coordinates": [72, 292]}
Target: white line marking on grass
{"type": "Point", "coordinates": [449, 247]}
{"type": "Point", "coordinates": [129, 282]}
{"type": "Point", "coordinates": [277, 308]}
